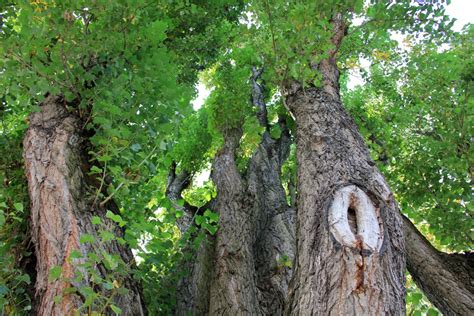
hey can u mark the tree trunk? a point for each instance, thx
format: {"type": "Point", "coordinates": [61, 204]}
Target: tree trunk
{"type": "Point", "coordinates": [350, 239]}
{"type": "Point", "coordinates": [62, 207]}
{"type": "Point", "coordinates": [446, 279]}
{"type": "Point", "coordinates": [256, 231]}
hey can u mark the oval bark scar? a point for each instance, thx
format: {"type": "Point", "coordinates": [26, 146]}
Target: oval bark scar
{"type": "Point", "coordinates": [347, 202]}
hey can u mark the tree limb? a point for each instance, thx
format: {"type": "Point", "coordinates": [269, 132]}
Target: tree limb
{"type": "Point", "coordinates": [446, 279]}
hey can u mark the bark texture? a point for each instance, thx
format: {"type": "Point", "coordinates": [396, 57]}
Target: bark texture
{"type": "Point", "coordinates": [62, 207]}
{"type": "Point", "coordinates": [446, 279]}
{"type": "Point", "coordinates": [256, 230]}
{"type": "Point", "coordinates": [336, 275]}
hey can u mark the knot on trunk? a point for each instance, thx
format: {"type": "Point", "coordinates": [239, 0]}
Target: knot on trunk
{"type": "Point", "coordinates": [354, 221]}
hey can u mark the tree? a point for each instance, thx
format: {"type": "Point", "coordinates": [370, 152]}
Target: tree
{"type": "Point", "coordinates": [296, 217]}
{"type": "Point", "coordinates": [80, 85]}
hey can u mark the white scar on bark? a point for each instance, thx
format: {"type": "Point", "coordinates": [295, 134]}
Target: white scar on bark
{"type": "Point", "coordinates": [368, 234]}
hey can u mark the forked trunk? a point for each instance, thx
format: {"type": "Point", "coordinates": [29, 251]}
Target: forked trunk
{"type": "Point", "coordinates": [255, 240]}
{"type": "Point", "coordinates": [62, 208]}
{"type": "Point", "coordinates": [350, 247]}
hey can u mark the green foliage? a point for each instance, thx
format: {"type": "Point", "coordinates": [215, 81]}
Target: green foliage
{"type": "Point", "coordinates": [208, 221]}
{"type": "Point", "coordinates": [417, 303]}
{"type": "Point", "coordinates": [229, 103]}
{"type": "Point", "coordinates": [284, 262]}
{"type": "Point", "coordinates": [416, 117]}
{"type": "Point", "coordinates": [15, 252]}
{"type": "Point", "coordinates": [104, 271]}
{"type": "Point", "coordinates": [193, 142]}
{"type": "Point", "coordinates": [128, 68]}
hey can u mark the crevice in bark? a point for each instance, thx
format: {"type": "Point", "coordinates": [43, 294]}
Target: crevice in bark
{"type": "Point", "coordinates": [56, 166]}
{"type": "Point", "coordinates": [352, 218]}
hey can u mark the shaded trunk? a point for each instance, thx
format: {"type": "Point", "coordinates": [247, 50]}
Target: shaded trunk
{"type": "Point", "coordinates": [233, 290]}
{"type": "Point", "coordinates": [350, 239]}
{"type": "Point", "coordinates": [446, 279]}
{"type": "Point", "coordinates": [193, 287]}
{"type": "Point", "coordinates": [256, 231]}
{"type": "Point", "coordinates": [62, 208]}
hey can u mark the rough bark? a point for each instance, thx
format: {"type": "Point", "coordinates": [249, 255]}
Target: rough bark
{"type": "Point", "coordinates": [446, 279]}
{"type": "Point", "coordinates": [256, 230]}
{"type": "Point", "coordinates": [62, 207]}
{"type": "Point", "coordinates": [350, 239]}
{"type": "Point", "coordinates": [349, 231]}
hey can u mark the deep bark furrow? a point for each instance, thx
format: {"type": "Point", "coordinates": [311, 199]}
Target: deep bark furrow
{"type": "Point", "coordinates": [193, 288]}
{"type": "Point", "coordinates": [274, 243]}
{"type": "Point", "coordinates": [61, 208]}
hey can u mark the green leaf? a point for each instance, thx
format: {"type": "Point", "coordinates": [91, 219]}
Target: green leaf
{"type": "Point", "coordinates": [213, 217]}
{"type": "Point", "coordinates": [110, 261]}
{"type": "Point", "coordinates": [136, 147]}
{"type": "Point", "coordinates": [116, 218]}
{"type": "Point", "coordinates": [116, 310]}
{"type": "Point", "coordinates": [54, 273]}
{"type": "Point", "coordinates": [106, 236]}
{"type": "Point", "coordinates": [199, 219]}
{"type": "Point", "coordinates": [96, 220]}
{"type": "Point", "coordinates": [75, 254]}
{"type": "Point", "coordinates": [23, 278]}
{"type": "Point", "coordinates": [2, 218]}
{"type": "Point", "coordinates": [18, 206]}
{"type": "Point", "coordinates": [3, 290]}
{"type": "Point", "coordinates": [86, 238]}
{"type": "Point", "coordinates": [95, 170]}
{"type": "Point", "coordinates": [416, 297]}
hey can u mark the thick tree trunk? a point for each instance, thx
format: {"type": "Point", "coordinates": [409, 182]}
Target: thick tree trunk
{"type": "Point", "coordinates": [234, 290]}
{"type": "Point", "coordinates": [256, 231]}
{"type": "Point", "coordinates": [62, 207]}
{"type": "Point", "coordinates": [350, 239]}
{"type": "Point", "coordinates": [446, 279]}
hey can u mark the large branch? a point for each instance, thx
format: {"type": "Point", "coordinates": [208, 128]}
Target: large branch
{"type": "Point", "coordinates": [446, 279]}
{"type": "Point", "coordinates": [258, 98]}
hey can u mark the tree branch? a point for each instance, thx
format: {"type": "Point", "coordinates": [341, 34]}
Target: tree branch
{"type": "Point", "coordinates": [258, 99]}
{"type": "Point", "coordinates": [446, 279]}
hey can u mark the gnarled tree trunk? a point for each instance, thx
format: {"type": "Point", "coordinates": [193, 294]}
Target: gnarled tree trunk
{"type": "Point", "coordinates": [62, 208]}
{"type": "Point", "coordinates": [350, 247]}
{"type": "Point", "coordinates": [345, 271]}
{"type": "Point", "coordinates": [350, 241]}
{"type": "Point", "coordinates": [256, 230]}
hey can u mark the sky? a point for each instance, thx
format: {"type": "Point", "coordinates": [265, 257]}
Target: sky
{"type": "Point", "coordinates": [461, 10]}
